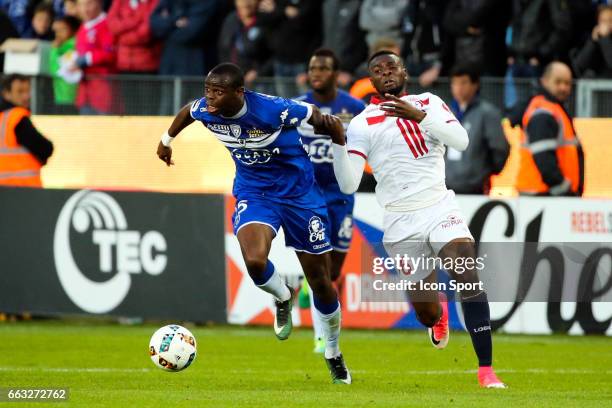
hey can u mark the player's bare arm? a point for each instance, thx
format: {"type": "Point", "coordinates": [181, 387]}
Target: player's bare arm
{"type": "Point", "coordinates": [181, 121]}
{"type": "Point", "coordinates": [398, 108]}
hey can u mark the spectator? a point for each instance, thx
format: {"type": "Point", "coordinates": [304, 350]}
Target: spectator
{"type": "Point", "coordinates": [595, 57]}
{"type": "Point", "coordinates": [243, 42]}
{"type": "Point", "coordinates": [96, 58]}
{"type": "Point", "coordinates": [469, 172]}
{"type": "Point", "coordinates": [23, 149]}
{"type": "Point", "coordinates": [341, 34]}
{"type": "Point", "coordinates": [70, 8]}
{"type": "Point", "coordinates": [540, 31]}
{"type": "Point", "coordinates": [181, 25]}
{"type": "Point", "coordinates": [41, 23]}
{"type": "Point", "coordinates": [295, 27]}
{"type": "Point", "coordinates": [382, 19]}
{"type": "Point", "coordinates": [138, 53]}
{"type": "Point", "coordinates": [7, 30]}
{"type": "Point", "coordinates": [552, 162]}
{"type": "Point", "coordinates": [19, 11]}
{"type": "Point", "coordinates": [423, 40]}
{"type": "Point", "coordinates": [476, 33]}
{"type": "Point", "coordinates": [62, 55]}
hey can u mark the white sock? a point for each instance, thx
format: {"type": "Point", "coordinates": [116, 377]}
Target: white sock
{"type": "Point", "coordinates": [276, 287]}
{"type": "Point", "coordinates": [316, 320]}
{"type": "Point", "coordinates": [330, 324]}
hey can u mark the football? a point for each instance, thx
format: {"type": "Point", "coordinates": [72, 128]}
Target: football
{"type": "Point", "coordinates": [172, 348]}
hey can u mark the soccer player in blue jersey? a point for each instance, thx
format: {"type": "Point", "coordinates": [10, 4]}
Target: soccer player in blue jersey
{"type": "Point", "coordinates": [274, 186]}
{"type": "Point", "coordinates": [323, 69]}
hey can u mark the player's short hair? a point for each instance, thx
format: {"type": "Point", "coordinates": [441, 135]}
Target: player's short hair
{"type": "Point", "coordinates": [72, 22]}
{"type": "Point", "coordinates": [381, 53]}
{"type": "Point", "coordinates": [8, 80]}
{"type": "Point", "coordinates": [466, 69]}
{"type": "Point", "coordinates": [231, 71]}
{"type": "Point", "coordinates": [328, 53]}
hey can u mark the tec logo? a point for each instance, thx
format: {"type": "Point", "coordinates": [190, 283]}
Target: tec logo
{"type": "Point", "coordinates": [316, 229]}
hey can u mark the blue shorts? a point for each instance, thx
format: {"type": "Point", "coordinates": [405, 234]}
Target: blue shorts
{"type": "Point", "coordinates": [340, 211]}
{"type": "Point", "coordinates": [306, 229]}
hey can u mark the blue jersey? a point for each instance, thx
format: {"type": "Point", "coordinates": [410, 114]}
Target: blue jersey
{"type": "Point", "coordinates": [265, 145]}
{"type": "Point", "coordinates": [319, 146]}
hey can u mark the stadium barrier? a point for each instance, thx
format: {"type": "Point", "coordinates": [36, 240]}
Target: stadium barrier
{"type": "Point", "coordinates": [147, 255]}
{"type": "Point", "coordinates": [569, 258]}
{"type": "Point", "coordinates": [163, 256]}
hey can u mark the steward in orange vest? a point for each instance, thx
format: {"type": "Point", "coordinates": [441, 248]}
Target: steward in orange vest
{"type": "Point", "coordinates": [552, 160]}
{"type": "Point", "coordinates": [23, 150]}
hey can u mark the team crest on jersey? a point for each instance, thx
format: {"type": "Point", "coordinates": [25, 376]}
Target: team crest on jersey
{"type": "Point", "coordinates": [236, 130]}
{"type": "Point", "coordinates": [316, 229]}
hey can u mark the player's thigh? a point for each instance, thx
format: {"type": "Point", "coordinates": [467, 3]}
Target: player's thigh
{"type": "Point", "coordinates": [306, 229]}
{"type": "Point", "coordinates": [255, 223]}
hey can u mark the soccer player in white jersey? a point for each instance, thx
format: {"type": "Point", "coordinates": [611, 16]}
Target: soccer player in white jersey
{"type": "Point", "coordinates": [403, 138]}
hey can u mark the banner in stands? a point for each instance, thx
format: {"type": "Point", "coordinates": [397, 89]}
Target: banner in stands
{"type": "Point", "coordinates": [112, 253]}
{"type": "Point", "coordinates": [544, 221]}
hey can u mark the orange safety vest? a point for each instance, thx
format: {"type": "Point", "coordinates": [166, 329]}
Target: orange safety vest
{"type": "Point", "coordinates": [566, 145]}
{"type": "Point", "coordinates": [18, 167]}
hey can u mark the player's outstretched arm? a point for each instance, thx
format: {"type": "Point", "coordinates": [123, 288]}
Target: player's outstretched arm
{"type": "Point", "coordinates": [348, 168]}
{"type": "Point", "coordinates": [180, 122]}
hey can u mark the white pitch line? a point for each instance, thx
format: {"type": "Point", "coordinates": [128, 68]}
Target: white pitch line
{"type": "Point", "coordinates": [77, 369]}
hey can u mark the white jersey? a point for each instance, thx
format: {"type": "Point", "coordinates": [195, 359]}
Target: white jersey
{"type": "Point", "coordinates": [407, 158]}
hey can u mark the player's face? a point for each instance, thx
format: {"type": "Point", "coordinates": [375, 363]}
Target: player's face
{"type": "Point", "coordinates": [463, 89]}
{"type": "Point", "coordinates": [62, 31]}
{"type": "Point", "coordinates": [222, 98]}
{"type": "Point", "coordinates": [321, 74]}
{"type": "Point", "coordinates": [19, 94]}
{"type": "Point", "coordinates": [388, 74]}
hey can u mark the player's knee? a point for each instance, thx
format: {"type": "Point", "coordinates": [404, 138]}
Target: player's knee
{"type": "Point", "coordinates": [255, 264]}
{"type": "Point", "coordinates": [334, 274]}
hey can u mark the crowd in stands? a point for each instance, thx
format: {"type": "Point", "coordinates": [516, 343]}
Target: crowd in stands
{"type": "Point", "coordinates": [274, 38]}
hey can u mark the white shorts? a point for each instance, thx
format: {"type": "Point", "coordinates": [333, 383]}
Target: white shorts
{"type": "Point", "coordinates": [423, 233]}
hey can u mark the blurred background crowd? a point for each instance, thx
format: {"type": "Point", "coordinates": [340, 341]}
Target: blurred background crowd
{"type": "Point", "coordinates": [509, 39]}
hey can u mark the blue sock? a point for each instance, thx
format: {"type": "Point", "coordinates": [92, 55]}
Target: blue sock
{"type": "Point", "coordinates": [478, 323]}
{"type": "Point", "coordinates": [268, 272]}
{"type": "Point", "coordinates": [325, 308]}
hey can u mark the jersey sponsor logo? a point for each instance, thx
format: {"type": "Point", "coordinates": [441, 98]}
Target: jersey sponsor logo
{"type": "Point", "coordinates": [254, 156]}
{"type": "Point", "coordinates": [373, 120]}
{"type": "Point", "coordinates": [97, 217]}
{"type": "Point", "coordinates": [316, 229]}
{"type": "Point", "coordinates": [319, 151]}
{"type": "Point", "coordinates": [255, 132]}
{"type": "Point", "coordinates": [451, 221]}
{"type": "Point", "coordinates": [218, 128]}
{"type": "Point", "coordinates": [236, 130]}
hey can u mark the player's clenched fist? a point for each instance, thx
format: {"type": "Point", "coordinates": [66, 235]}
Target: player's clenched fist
{"type": "Point", "coordinates": [165, 154]}
{"type": "Point", "coordinates": [399, 108]}
{"type": "Point", "coordinates": [331, 125]}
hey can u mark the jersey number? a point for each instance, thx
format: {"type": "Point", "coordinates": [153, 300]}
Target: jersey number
{"type": "Point", "coordinates": [413, 137]}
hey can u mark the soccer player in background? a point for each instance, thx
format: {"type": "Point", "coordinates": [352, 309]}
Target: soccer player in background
{"type": "Point", "coordinates": [323, 70]}
{"type": "Point", "coordinates": [403, 137]}
{"type": "Point", "coordinates": [274, 186]}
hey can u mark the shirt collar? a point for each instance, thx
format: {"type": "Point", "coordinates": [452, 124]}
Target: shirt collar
{"type": "Point", "coordinates": [240, 113]}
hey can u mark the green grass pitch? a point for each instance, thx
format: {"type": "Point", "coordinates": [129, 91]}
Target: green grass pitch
{"type": "Point", "coordinates": [107, 365]}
